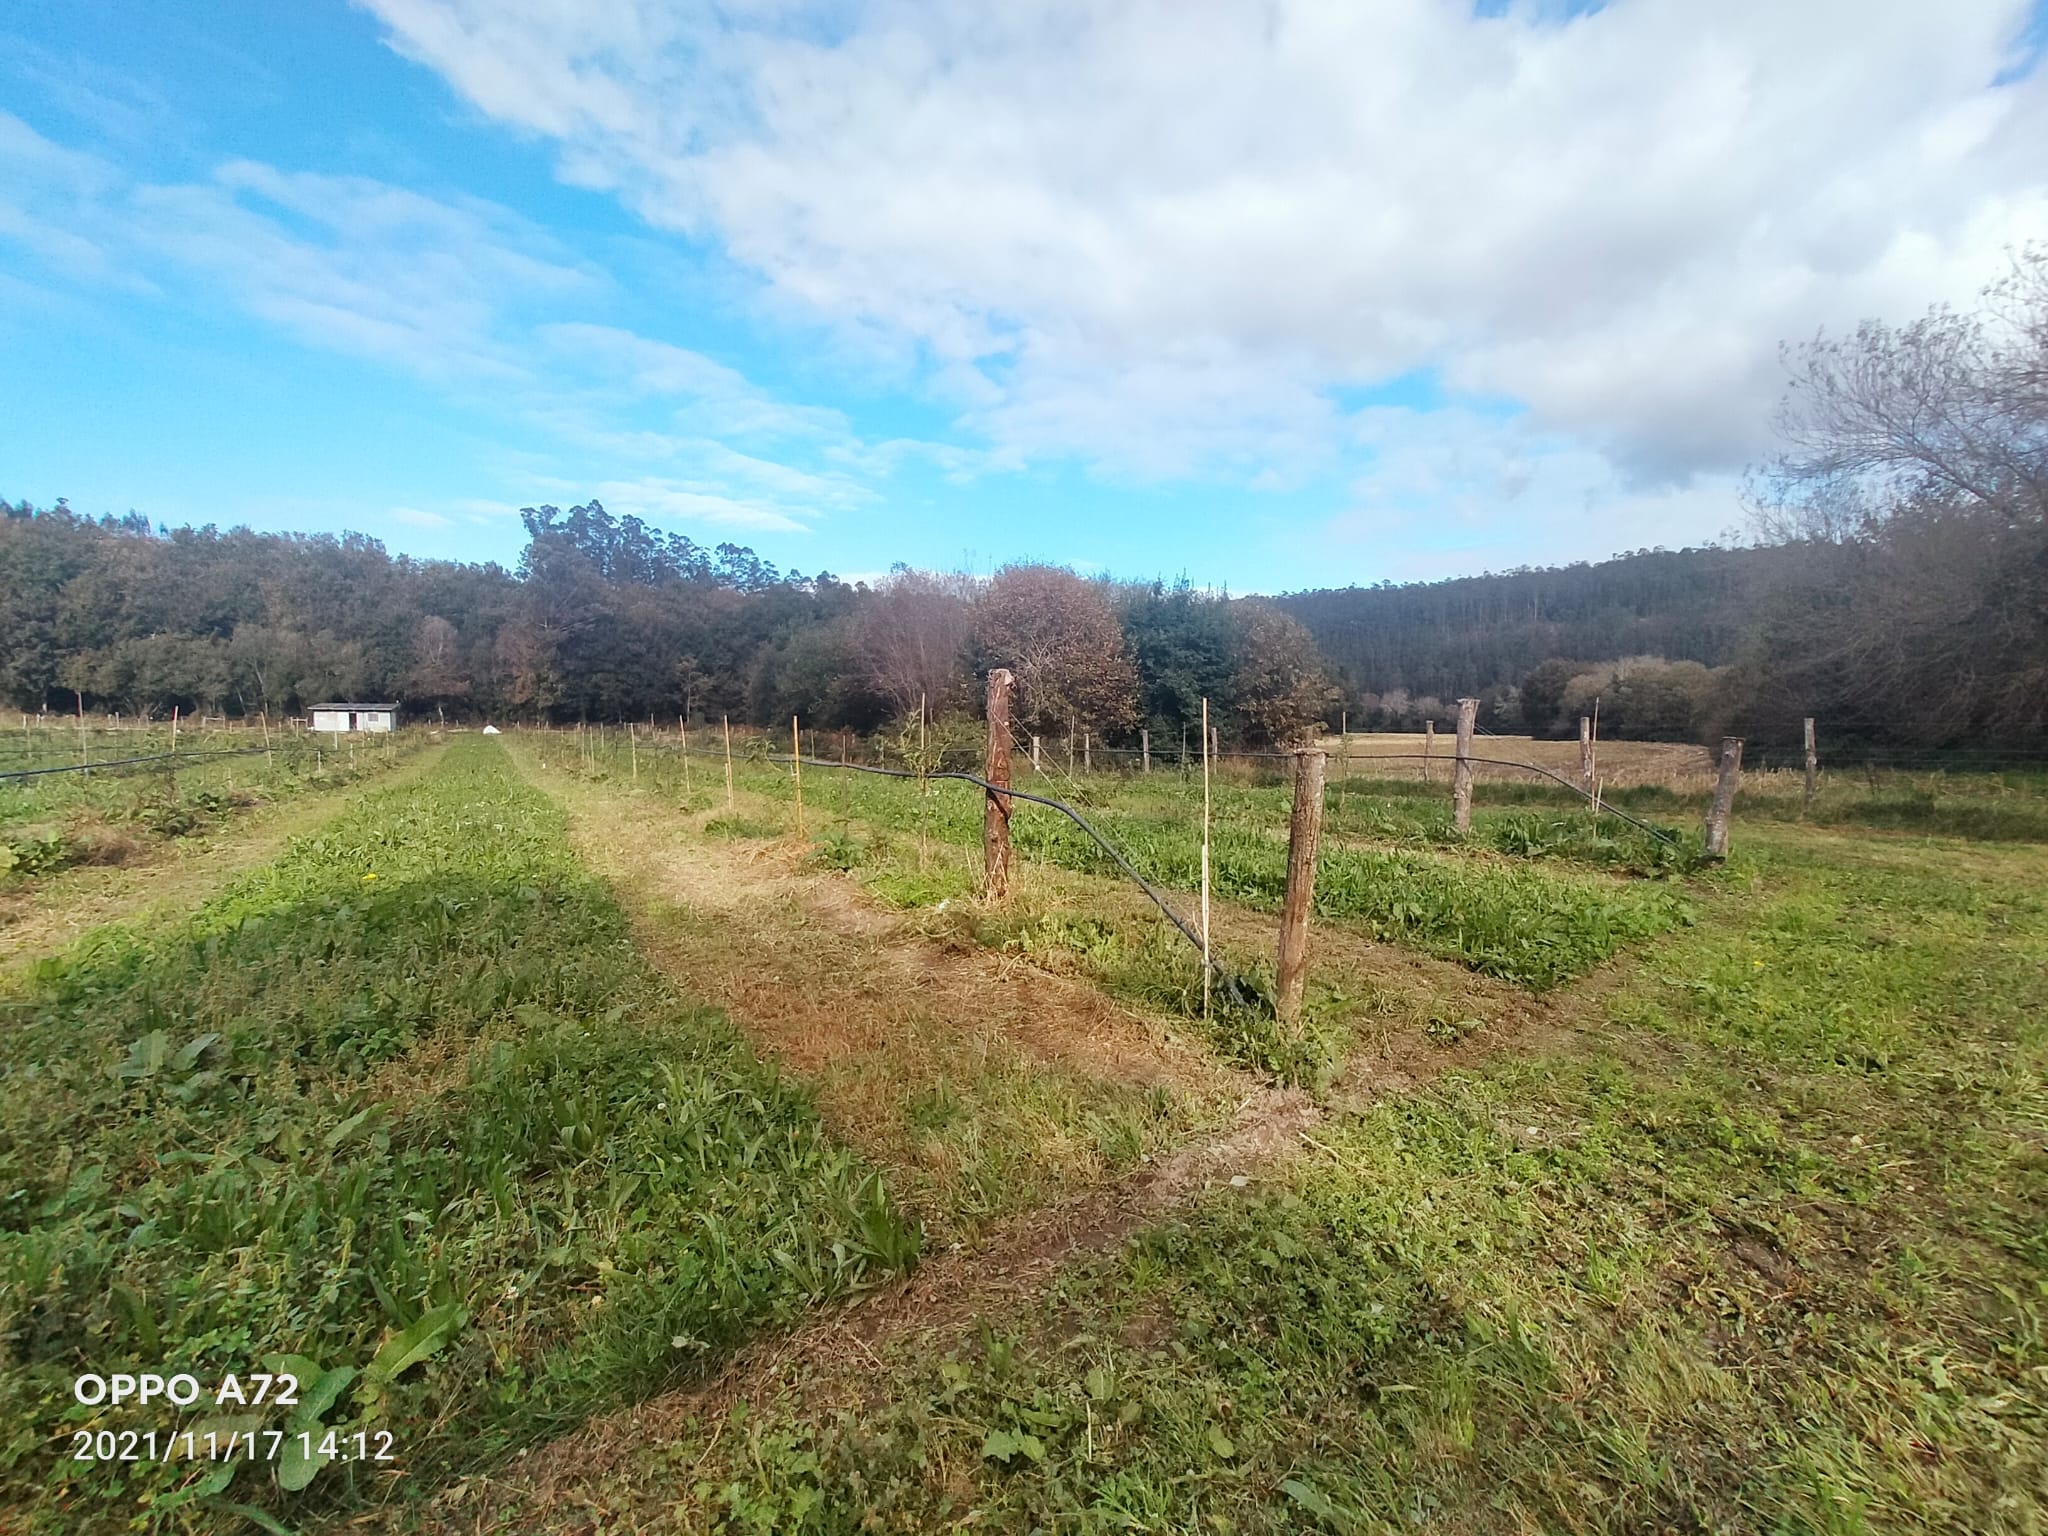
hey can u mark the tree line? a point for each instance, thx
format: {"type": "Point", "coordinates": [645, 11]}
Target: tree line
{"type": "Point", "coordinates": [606, 618]}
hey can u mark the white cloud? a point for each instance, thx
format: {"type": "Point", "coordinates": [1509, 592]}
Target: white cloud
{"type": "Point", "coordinates": [414, 517]}
{"type": "Point", "coordinates": [673, 501]}
{"type": "Point", "coordinates": [1159, 234]}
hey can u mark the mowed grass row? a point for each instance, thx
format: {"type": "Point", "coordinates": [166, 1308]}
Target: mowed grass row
{"type": "Point", "coordinates": [58, 820]}
{"type": "Point", "coordinates": [1538, 926]}
{"type": "Point", "coordinates": [409, 1093]}
{"type": "Point", "coordinates": [1770, 1260]}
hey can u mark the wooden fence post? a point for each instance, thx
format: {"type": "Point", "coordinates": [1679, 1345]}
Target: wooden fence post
{"type": "Point", "coordinates": [1144, 751]}
{"type": "Point", "coordinates": [1087, 752]}
{"type": "Point", "coordinates": [1724, 797]}
{"type": "Point", "coordinates": [1428, 748]}
{"type": "Point", "coordinates": [995, 815]}
{"type": "Point", "coordinates": [1586, 753]}
{"type": "Point", "coordinates": [1304, 834]}
{"type": "Point", "coordinates": [1034, 756]}
{"type": "Point", "coordinates": [1812, 766]}
{"type": "Point", "coordinates": [1461, 773]}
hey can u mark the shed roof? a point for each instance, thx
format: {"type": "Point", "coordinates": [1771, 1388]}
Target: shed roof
{"type": "Point", "coordinates": [359, 708]}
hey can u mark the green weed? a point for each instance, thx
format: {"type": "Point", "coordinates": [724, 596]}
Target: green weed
{"type": "Point", "coordinates": [410, 1081]}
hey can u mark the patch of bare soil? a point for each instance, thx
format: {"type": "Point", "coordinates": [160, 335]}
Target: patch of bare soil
{"type": "Point", "coordinates": [819, 974]}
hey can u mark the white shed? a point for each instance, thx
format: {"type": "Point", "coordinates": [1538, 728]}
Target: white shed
{"type": "Point", "coordinates": [342, 718]}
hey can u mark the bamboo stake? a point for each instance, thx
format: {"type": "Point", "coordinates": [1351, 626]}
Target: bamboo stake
{"type": "Point", "coordinates": [796, 747]}
{"type": "Point", "coordinates": [728, 761]}
{"type": "Point", "coordinates": [1206, 968]}
{"type": "Point", "coordinates": [1812, 767]}
{"type": "Point", "coordinates": [683, 725]}
{"type": "Point", "coordinates": [1344, 755]}
{"type": "Point", "coordinates": [923, 783]}
{"type": "Point", "coordinates": [633, 750]}
{"type": "Point", "coordinates": [1593, 754]}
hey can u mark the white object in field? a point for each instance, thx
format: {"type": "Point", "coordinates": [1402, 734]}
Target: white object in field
{"type": "Point", "coordinates": [491, 730]}
{"type": "Point", "coordinates": [345, 718]}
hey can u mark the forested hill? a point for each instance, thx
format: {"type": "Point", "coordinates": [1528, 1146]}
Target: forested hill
{"type": "Point", "coordinates": [1472, 633]}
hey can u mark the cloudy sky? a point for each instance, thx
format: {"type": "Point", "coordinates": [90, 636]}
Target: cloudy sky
{"type": "Point", "coordinates": [1280, 294]}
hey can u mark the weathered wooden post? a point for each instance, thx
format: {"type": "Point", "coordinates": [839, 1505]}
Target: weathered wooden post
{"type": "Point", "coordinates": [728, 762]}
{"type": "Point", "coordinates": [1586, 753]}
{"type": "Point", "coordinates": [1144, 750]}
{"type": "Point", "coordinates": [1812, 765]}
{"type": "Point", "coordinates": [1428, 748]}
{"type": "Point", "coordinates": [1034, 756]}
{"type": "Point", "coordinates": [1724, 797]}
{"type": "Point", "coordinates": [1461, 772]}
{"type": "Point", "coordinates": [1087, 752]}
{"type": "Point", "coordinates": [1304, 834]}
{"type": "Point", "coordinates": [995, 815]}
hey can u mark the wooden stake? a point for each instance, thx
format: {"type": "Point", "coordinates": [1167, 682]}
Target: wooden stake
{"type": "Point", "coordinates": [995, 816]}
{"type": "Point", "coordinates": [1586, 753]}
{"type": "Point", "coordinates": [1207, 742]}
{"type": "Point", "coordinates": [1034, 756]}
{"type": "Point", "coordinates": [1428, 747]}
{"type": "Point", "coordinates": [633, 750]}
{"type": "Point", "coordinates": [728, 760]}
{"type": "Point", "coordinates": [85, 752]}
{"type": "Point", "coordinates": [796, 750]}
{"type": "Point", "coordinates": [1144, 751]}
{"type": "Point", "coordinates": [268, 757]}
{"type": "Point", "coordinates": [1461, 772]}
{"type": "Point", "coordinates": [1087, 752]}
{"type": "Point", "coordinates": [1593, 755]}
{"type": "Point", "coordinates": [683, 725]}
{"type": "Point", "coordinates": [1304, 836]}
{"type": "Point", "coordinates": [1344, 747]}
{"type": "Point", "coordinates": [174, 726]}
{"type": "Point", "coordinates": [923, 783]}
{"type": "Point", "coordinates": [1724, 797]}
{"type": "Point", "coordinates": [1812, 766]}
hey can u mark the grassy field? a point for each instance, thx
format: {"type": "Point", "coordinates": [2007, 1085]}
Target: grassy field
{"type": "Point", "coordinates": [546, 1112]}
{"type": "Point", "coordinates": [56, 821]}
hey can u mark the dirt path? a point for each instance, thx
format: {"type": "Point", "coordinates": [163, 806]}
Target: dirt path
{"type": "Point", "coordinates": [175, 877]}
{"type": "Point", "coordinates": [848, 993]}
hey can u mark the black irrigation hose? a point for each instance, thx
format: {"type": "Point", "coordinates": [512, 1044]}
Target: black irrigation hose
{"type": "Point", "coordinates": [1110, 848]}
{"type": "Point", "coordinates": [1062, 807]}
{"type": "Point", "coordinates": [124, 762]}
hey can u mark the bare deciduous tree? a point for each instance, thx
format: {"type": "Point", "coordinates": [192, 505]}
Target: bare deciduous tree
{"type": "Point", "coordinates": [911, 638]}
{"type": "Point", "coordinates": [1916, 477]}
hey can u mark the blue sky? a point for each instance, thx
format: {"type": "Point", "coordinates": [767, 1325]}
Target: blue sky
{"type": "Point", "coordinates": [1275, 295]}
